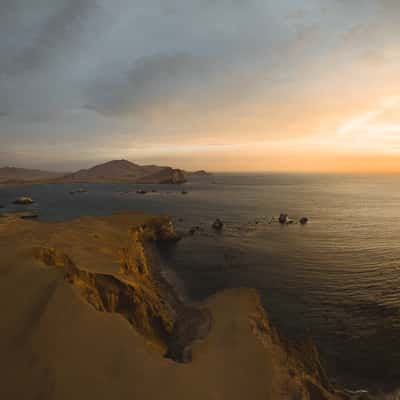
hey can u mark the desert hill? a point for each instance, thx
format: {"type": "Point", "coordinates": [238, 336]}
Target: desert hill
{"type": "Point", "coordinates": [121, 171]}
{"type": "Point", "coordinates": [125, 171]}
{"type": "Point", "coordinates": [15, 175]}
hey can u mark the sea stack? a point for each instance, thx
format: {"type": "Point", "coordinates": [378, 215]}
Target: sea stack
{"type": "Point", "coordinates": [283, 219]}
{"type": "Point", "coordinates": [217, 224]}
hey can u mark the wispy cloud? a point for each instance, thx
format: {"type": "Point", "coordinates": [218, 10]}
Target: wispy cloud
{"type": "Point", "coordinates": [364, 122]}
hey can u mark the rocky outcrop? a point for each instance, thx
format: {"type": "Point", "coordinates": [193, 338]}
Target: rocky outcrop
{"type": "Point", "coordinates": [283, 218]}
{"type": "Point", "coordinates": [78, 191]}
{"type": "Point", "coordinates": [217, 224]}
{"type": "Point", "coordinates": [160, 230]}
{"type": "Point", "coordinates": [144, 309]}
{"type": "Point", "coordinates": [23, 200]}
{"type": "Point", "coordinates": [138, 294]}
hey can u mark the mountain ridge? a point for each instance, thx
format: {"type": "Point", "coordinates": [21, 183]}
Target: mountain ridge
{"type": "Point", "coordinates": [118, 171]}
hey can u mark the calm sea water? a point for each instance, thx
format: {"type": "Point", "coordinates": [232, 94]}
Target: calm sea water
{"type": "Point", "coordinates": [336, 279]}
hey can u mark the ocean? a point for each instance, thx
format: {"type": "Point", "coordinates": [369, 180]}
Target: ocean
{"type": "Point", "coordinates": [336, 279]}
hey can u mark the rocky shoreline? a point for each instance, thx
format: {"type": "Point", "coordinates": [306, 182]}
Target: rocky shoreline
{"type": "Point", "coordinates": [104, 269]}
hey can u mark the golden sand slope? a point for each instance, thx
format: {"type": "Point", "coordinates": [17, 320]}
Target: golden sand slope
{"type": "Point", "coordinates": [84, 315]}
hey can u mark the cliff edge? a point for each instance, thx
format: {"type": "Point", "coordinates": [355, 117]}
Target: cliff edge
{"type": "Point", "coordinates": [86, 315]}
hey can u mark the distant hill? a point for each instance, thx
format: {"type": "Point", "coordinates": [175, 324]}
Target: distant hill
{"type": "Point", "coordinates": [198, 174]}
{"type": "Point", "coordinates": [22, 175]}
{"type": "Point", "coordinates": [125, 171]}
{"type": "Point", "coordinates": [121, 171]}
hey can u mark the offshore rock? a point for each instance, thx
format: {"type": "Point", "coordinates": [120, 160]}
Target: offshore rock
{"type": "Point", "coordinates": [23, 200]}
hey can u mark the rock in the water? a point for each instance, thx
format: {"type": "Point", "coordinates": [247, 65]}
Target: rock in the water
{"type": "Point", "coordinates": [28, 215]}
{"type": "Point", "coordinates": [194, 229]}
{"type": "Point", "coordinates": [218, 224]}
{"type": "Point", "coordinates": [80, 190]}
{"type": "Point", "coordinates": [141, 191]}
{"type": "Point", "coordinates": [283, 218]}
{"type": "Point", "coordinates": [23, 200]}
{"type": "Point", "coordinates": [184, 192]}
{"type": "Point", "coordinates": [303, 220]}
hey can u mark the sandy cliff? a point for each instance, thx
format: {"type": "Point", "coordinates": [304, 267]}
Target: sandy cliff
{"type": "Point", "coordinates": [85, 315]}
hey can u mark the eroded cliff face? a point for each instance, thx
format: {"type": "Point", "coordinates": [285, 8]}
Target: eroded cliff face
{"type": "Point", "coordinates": [142, 307]}
{"type": "Point", "coordinates": [135, 292]}
{"type": "Point", "coordinates": [94, 319]}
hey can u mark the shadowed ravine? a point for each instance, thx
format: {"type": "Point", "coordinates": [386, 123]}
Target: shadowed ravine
{"type": "Point", "coordinates": [169, 325]}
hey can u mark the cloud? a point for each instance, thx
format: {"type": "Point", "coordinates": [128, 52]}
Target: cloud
{"type": "Point", "coordinates": [50, 34]}
{"type": "Point", "coordinates": [203, 71]}
{"type": "Point", "coordinates": [151, 80]}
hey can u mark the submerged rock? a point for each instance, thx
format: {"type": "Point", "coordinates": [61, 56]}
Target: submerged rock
{"type": "Point", "coordinates": [141, 191]}
{"type": "Point", "coordinates": [28, 215]}
{"type": "Point", "coordinates": [23, 200]}
{"type": "Point", "coordinates": [194, 229]}
{"type": "Point", "coordinates": [217, 224]}
{"type": "Point", "coordinates": [80, 190]}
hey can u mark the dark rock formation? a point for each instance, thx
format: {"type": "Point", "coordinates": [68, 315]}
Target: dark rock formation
{"type": "Point", "coordinates": [283, 218]}
{"type": "Point", "coordinates": [23, 200]}
{"type": "Point", "coordinates": [192, 324]}
{"type": "Point", "coordinates": [28, 215]}
{"type": "Point", "coordinates": [80, 190]}
{"type": "Point", "coordinates": [160, 230]}
{"type": "Point", "coordinates": [303, 221]}
{"type": "Point", "coordinates": [194, 229]}
{"type": "Point", "coordinates": [218, 224]}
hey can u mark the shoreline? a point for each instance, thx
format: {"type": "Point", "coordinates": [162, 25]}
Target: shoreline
{"type": "Point", "coordinates": [107, 264]}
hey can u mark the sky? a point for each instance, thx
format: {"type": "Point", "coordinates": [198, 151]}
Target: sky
{"type": "Point", "coordinates": [223, 85]}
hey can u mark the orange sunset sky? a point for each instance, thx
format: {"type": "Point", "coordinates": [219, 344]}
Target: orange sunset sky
{"type": "Point", "coordinates": [303, 85]}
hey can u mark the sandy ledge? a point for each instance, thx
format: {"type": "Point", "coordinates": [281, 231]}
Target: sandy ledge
{"type": "Point", "coordinates": [86, 315]}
